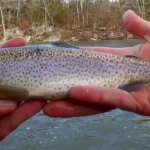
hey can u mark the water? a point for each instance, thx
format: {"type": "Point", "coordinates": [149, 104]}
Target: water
{"type": "Point", "coordinates": [110, 43]}
{"type": "Point", "coordinates": [115, 130]}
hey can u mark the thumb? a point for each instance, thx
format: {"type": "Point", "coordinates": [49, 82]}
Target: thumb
{"type": "Point", "coordinates": [142, 51]}
{"type": "Point", "coordinates": [136, 25]}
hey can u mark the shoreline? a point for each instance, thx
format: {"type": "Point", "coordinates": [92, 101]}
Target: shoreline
{"type": "Point", "coordinates": [41, 35]}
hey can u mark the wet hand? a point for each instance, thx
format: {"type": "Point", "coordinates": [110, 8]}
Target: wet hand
{"type": "Point", "coordinates": [12, 114]}
{"type": "Point", "coordinates": [92, 100]}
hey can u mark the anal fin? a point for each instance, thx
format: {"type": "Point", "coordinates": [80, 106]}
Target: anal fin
{"type": "Point", "coordinates": [134, 86]}
{"type": "Point", "coordinates": [13, 93]}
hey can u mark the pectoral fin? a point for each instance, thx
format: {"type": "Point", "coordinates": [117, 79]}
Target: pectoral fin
{"type": "Point", "coordinates": [131, 56]}
{"type": "Point", "coordinates": [134, 86]}
{"type": "Point", "coordinates": [13, 93]}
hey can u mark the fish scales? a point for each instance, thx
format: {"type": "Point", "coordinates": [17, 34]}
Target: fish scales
{"type": "Point", "coordinates": [50, 72]}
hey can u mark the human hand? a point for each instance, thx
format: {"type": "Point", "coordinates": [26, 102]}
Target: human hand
{"type": "Point", "coordinates": [12, 115]}
{"type": "Point", "coordinates": [92, 100]}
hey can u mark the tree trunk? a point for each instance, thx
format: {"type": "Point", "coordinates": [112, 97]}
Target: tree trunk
{"type": "Point", "coordinates": [9, 18]}
{"type": "Point", "coordinates": [87, 15]}
{"type": "Point", "coordinates": [48, 14]}
{"type": "Point", "coordinates": [141, 8]}
{"type": "Point", "coordinates": [18, 9]}
{"type": "Point", "coordinates": [81, 12]}
{"type": "Point", "coordinates": [2, 19]}
{"type": "Point", "coordinates": [78, 14]}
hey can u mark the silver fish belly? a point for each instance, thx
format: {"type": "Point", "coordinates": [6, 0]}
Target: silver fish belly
{"type": "Point", "coordinates": [49, 73]}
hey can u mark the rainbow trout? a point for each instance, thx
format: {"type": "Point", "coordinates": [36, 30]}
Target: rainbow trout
{"type": "Point", "coordinates": [49, 72]}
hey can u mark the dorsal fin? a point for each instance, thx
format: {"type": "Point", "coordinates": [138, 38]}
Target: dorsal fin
{"type": "Point", "coordinates": [63, 44]}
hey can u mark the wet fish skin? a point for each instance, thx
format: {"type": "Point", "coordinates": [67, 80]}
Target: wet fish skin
{"type": "Point", "coordinates": [50, 72]}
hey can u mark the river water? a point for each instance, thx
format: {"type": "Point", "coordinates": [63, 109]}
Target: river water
{"type": "Point", "coordinates": [115, 130]}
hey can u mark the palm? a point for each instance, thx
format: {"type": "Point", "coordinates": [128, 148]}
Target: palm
{"type": "Point", "coordinates": [141, 100]}
{"type": "Point", "coordinates": [104, 99]}
{"type": "Point", "coordinates": [12, 119]}
{"type": "Point", "coordinates": [11, 115]}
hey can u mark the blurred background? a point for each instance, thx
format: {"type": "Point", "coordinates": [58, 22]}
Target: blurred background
{"type": "Point", "coordinates": [67, 20]}
{"type": "Point", "coordinates": [83, 23]}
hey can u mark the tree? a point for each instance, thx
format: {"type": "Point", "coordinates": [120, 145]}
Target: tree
{"type": "Point", "coordinates": [2, 18]}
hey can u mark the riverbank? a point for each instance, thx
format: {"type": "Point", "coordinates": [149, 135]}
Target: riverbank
{"type": "Point", "coordinates": [44, 34]}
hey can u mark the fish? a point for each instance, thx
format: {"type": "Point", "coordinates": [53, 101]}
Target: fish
{"type": "Point", "coordinates": [50, 71]}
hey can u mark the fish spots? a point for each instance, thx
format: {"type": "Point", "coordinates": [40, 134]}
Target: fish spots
{"type": "Point", "coordinates": [51, 72]}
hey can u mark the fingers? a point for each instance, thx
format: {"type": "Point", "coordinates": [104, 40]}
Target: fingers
{"type": "Point", "coordinates": [136, 25]}
{"type": "Point", "coordinates": [142, 51]}
{"type": "Point", "coordinates": [72, 109]}
{"type": "Point", "coordinates": [140, 27]}
{"type": "Point", "coordinates": [21, 114]}
{"type": "Point", "coordinates": [7, 106]}
{"type": "Point", "coordinates": [114, 98]}
{"type": "Point", "coordinates": [142, 97]}
{"type": "Point", "coordinates": [110, 50]}
{"type": "Point", "coordinates": [19, 41]}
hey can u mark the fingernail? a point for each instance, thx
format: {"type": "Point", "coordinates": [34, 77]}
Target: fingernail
{"type": "Point", "coordinates": [78, 92]}
{"type": "Point", "coordinates": [143, 52]}
{"type": "Point", "coordinates": [7, 103]}
{"type": "Point", "coordinates": [125, 16]}
{"type": "Point", "coordinates": [85, 94]}
{"type": "Point", "coordinates": [74, 92]}
{"type": "Point", "coordinates": [127, 13]}
{"type": "Point", "coordinates": [136, 50]}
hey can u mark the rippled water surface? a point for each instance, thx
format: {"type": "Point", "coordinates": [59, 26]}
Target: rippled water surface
{"type": "Point", "coordinates": [115, 130]}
